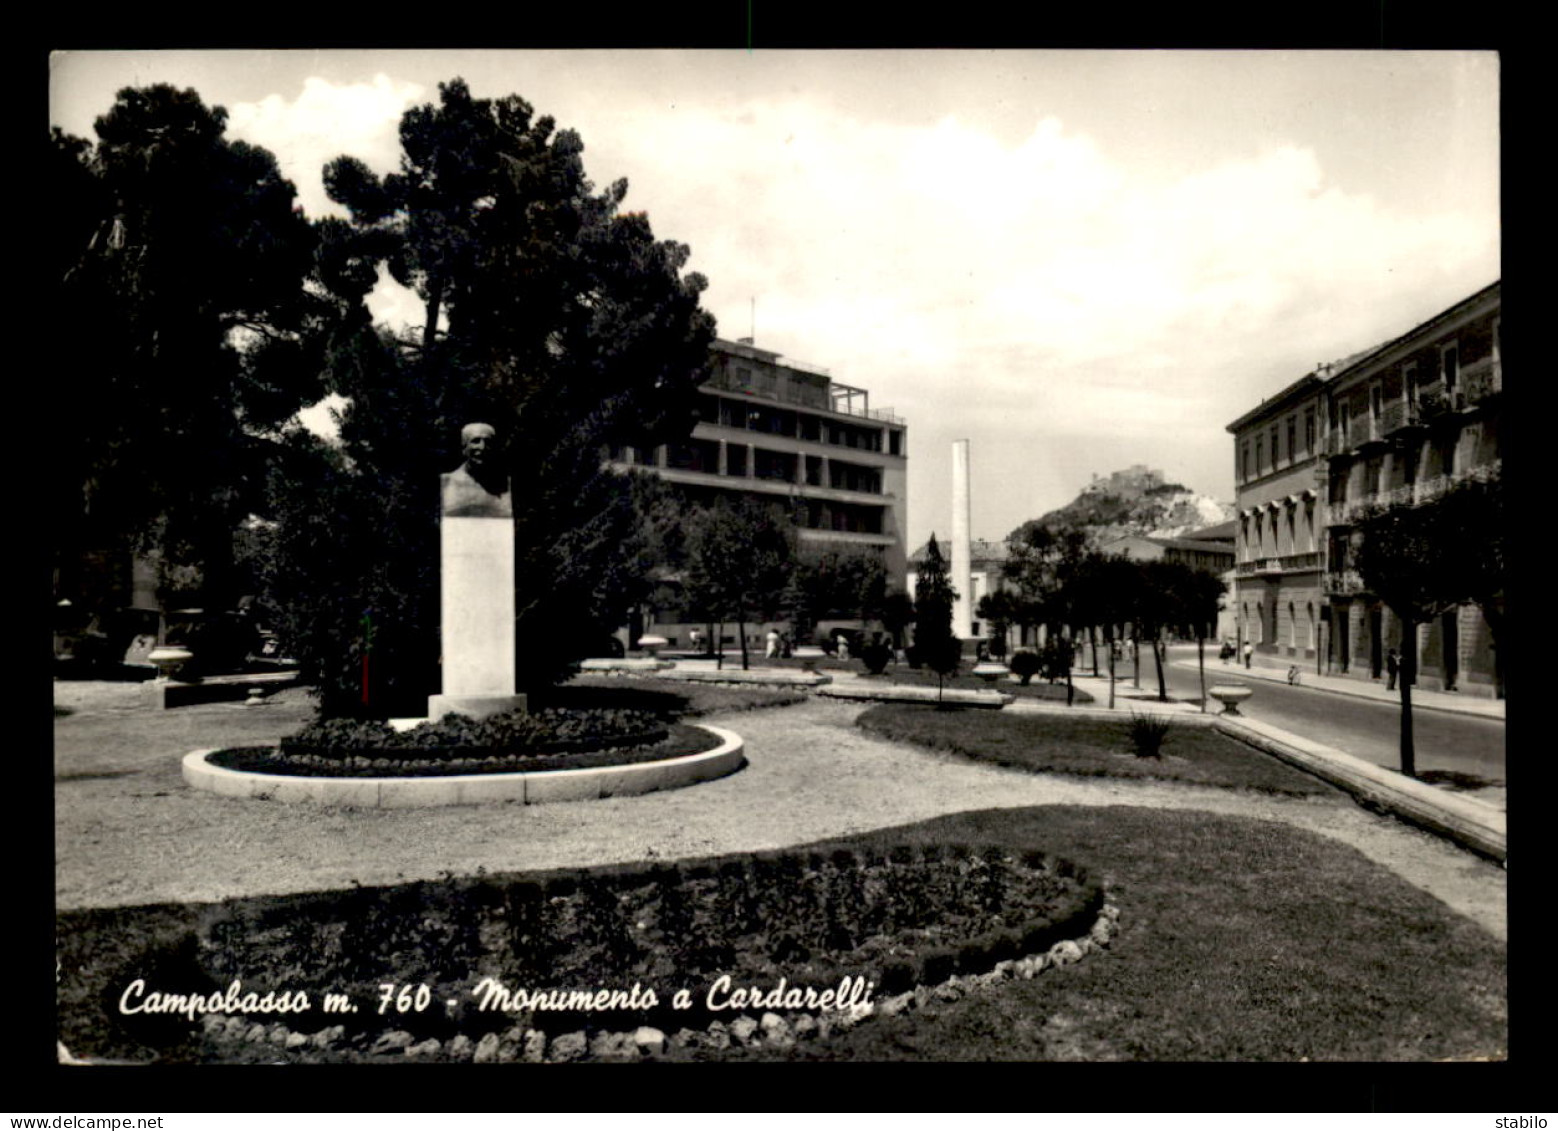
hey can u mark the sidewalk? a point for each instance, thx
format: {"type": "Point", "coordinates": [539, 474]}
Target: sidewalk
{"type": "Point", "coordinates": [1276, 671]}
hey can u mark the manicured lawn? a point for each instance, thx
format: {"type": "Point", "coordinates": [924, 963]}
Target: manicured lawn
{"type": "Point", "coordinates": [1053, 743]}
{"type": "Point", "coordinates": [1239, 940]}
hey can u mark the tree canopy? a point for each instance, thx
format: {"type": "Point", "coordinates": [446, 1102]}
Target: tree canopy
{"type": "Point", "coordinates": [739, 562]}
{"type": "Point", "coordinates": [549, 314]}
{"type": "Point", "coordinates": [179, 263]}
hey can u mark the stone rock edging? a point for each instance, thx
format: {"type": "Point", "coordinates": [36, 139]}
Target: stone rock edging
{"type": "Point", "coordinates": [773, 1030]}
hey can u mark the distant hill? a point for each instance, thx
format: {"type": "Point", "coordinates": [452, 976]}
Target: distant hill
{"type": "Point", "coordinates": [1135, 501]}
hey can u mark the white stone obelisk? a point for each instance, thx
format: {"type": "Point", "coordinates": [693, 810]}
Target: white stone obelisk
{"type": "Point", "coordinates": [476, 589]}
{"type": "Point", "coordinates": [962, 549]}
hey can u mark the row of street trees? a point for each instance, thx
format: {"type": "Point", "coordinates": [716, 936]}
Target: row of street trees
{"type": "Point", "coordinates": [216, 311]}
{"type": "Point", "coordinates": [738, 561]}
{"type": "Point", "coordinates": [1060, 582]}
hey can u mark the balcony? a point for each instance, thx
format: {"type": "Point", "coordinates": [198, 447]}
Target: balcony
{"type": "Point", "coordinates": [1398, 415]}
{"type": "Point", "coordinates": [1274, 567]}
{"type": "Point", "coordinates": [1343, 583]}
{"type": "Point", "coordinates": [1480, 382]}
{"type": "Point", "coordinates": [1361, 431]}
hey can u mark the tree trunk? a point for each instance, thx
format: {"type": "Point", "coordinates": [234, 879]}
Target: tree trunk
{"type": "Point", "coordinates": [435, 294]}
{"type": "Point", "coordinates": [1157, 655]}
{"type": "Point", "coordinates": [741, 633]}
{"type": "Point", "coordinates": [719, 648]}
{"type": "Point", "coordinates": [1201, 666]}
{"type": "Point", "coordinates": [1092, 643]}
{"type": "Point", "coordinates": [1109, 643]}
{"type": "Point", "coordinates": [1136, 658]}
{"type": "Point", "coordinates": [1408, 675]}
{"type": "Point", "coordinates": [1070, 687]}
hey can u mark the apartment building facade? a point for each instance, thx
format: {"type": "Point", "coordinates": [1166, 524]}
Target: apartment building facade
{"type": "Point", "coordinates": [784, 432]}
{"type": "Point", "coordinates": [1278, 597]}
{"type": "Point", "coordinates": [1406, 422]}
{"type": "Point", "coordinates": [1396, 425]}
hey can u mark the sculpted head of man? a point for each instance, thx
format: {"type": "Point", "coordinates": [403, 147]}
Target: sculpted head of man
{"type": "Point", "coordinates": [478, 442]}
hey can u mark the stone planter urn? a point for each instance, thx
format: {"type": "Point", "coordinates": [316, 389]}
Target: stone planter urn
{"type": "Point", "coordinates": [808, 655]}
{"type": "Point", "coordinates": [990, 671]}
{"type": "Point", "coordinates": [1230, 695]}
{"type": "Point", "coordinates": [651, 645]}
{"type": "Point", "coordinates": [169, 658]}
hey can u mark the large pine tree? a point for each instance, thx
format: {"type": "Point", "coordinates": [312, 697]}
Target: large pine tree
{"type": "Point", "coordinates": [547, 312]}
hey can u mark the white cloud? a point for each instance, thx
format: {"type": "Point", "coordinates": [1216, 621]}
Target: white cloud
{"type": "Point", "coordinates": [324, 122]}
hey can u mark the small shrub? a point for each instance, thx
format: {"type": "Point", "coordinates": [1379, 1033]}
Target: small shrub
{"type": "Point", "coordinates": [876, 656]}
{"type": "Point", "coordinates": [1025, 665]}
{"type": "Point", "coordinates": [1148, 734]}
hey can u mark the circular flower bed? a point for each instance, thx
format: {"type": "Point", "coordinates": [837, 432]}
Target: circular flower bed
{"type": "Point", "coordinates": [551, 739]}
{"type": "Point", "coordinates": [483, 956]}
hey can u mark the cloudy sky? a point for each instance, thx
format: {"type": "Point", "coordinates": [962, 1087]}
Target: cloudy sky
{"type": "Point", "coordinates": [1077, 260]}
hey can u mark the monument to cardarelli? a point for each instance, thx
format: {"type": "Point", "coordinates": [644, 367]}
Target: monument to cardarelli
{"type": "Point", "coordinates": [476, 583]}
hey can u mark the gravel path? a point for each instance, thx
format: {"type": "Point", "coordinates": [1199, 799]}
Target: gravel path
{"type": "Point", "coordinates": [129, 831]}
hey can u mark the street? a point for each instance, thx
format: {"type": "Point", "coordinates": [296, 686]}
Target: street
{"type": "Point", "coordinates": [1445, 742]}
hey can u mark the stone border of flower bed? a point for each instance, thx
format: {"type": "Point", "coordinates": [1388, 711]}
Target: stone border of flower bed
{"type": "Point", "coordinates": [770, 1030]}
{"type": "Point", "coordinates": [771, 677]}
{"type": "Point", "coordinates": [627, 666]}
{"type": "Point", "coordinates": [898, 693]}
{"type": "Point", "coordinates": [530, 788]}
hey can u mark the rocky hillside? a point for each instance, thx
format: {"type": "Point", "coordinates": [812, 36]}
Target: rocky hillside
{"type": "Point", "coordinates": [1137, 501]}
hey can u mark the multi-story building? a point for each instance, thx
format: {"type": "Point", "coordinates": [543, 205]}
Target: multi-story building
{"type": "Point", "coordinates": [1395, 425]}
{"type": "Point", "coordinates": [783, 431]}
{"type": "Point", "coordinates": [1278, 599]}
{"type": "Point", "coordinates": [1406, 421]}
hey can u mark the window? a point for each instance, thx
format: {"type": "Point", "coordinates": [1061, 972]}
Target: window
{"type": "Point", "coordinates": [1292, 437]}
{"type": "Point", "coordinates": [1244, 460]}
{"type": "Point", "coordinates": [1275, 455]}
{"type": "Point", "coordinates": [1409, 381]}
{"type": "Point", "coordinates": [1309, 430]}
{"type": "Point", "coordinates": [1260, 453]}
{"type": "Point", "coordinates": [1376, 401]}
{"type": "Point", "coordinates": [1449, 365]}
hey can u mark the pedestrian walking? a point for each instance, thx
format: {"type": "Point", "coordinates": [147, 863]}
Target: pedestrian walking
{"type": "Point", "coordinates": [1392, 668]}
{"type": "Point", "coordinates": [695, 639]}
{"type": "Point", "coordinates": [1249, 654]}
{"type": "Point", "coordinates": [772, 651]}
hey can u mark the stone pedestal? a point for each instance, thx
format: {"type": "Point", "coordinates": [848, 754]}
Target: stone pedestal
{"type": "Point", "coordinates": [476, 587]}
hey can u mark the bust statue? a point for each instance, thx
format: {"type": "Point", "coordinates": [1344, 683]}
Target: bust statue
{"type": "Point", "coordinates": [478, 487]}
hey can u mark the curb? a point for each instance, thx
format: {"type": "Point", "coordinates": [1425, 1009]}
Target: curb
{"type": "Point", "coordinates": [1270, 675]}
{"type": "Point", "coordinates": [1470, 823]}
{"type": "Point", "coordinates": [530, 788]}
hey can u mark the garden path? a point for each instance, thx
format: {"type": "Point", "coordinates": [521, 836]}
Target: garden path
{"type": "Point", "coordinates": [129, 831]}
